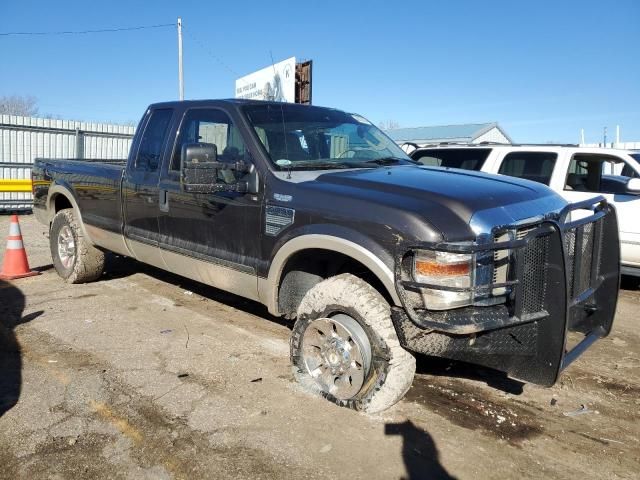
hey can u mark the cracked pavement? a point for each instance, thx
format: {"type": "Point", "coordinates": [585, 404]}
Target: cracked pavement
{"type": "Point", "coordinates": [144, 374]}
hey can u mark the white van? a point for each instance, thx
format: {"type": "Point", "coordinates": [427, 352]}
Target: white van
{"type": "Point", "coordinates": [577, 173]}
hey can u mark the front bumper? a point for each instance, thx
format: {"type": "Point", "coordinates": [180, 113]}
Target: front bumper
{"type": "Point", "coordinates": [563, 276]}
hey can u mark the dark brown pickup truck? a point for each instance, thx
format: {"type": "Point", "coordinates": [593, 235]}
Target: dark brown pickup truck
{"type": "Point", "coordinates": [315, 213]}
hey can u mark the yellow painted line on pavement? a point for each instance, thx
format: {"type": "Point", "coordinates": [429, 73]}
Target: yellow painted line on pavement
{"type": "Point", "coordinates": [100, 408]}
{"type": "Point", "coordinates": [131, 432]}
{"type": "Point", "coordinates": [103, 410]}
{"type": "Point", "coordinates": [120, 423]}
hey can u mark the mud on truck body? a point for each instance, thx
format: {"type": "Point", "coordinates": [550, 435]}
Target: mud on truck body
{"type": "Point", "coordinates": [318, 215]}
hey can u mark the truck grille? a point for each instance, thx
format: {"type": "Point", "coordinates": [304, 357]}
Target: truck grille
{"type": "Point", "coordinates": [583, 249]}
{"type": "Point", "coordinates": [536, 257]}
{"type": "Point", "coordinates": [583, 263]}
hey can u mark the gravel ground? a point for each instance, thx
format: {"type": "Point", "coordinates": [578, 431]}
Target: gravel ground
{"type": "Point", "coordinates": [145, 374]}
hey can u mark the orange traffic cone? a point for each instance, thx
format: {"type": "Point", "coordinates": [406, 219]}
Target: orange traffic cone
{"type": "Point", "coordinates": [15, 264]}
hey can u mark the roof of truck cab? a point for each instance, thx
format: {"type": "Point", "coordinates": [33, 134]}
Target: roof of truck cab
{"type": "Point", "coordinates": [232, 101]}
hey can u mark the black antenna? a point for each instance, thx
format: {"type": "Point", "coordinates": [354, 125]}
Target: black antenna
{"type": "Point", "coordinates": [284, 129]}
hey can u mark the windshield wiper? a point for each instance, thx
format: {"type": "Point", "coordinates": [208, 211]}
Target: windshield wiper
{"type": "Point", "coordinates": [313, 165]}
{"type": "Point", "coordinates": [389, 161]}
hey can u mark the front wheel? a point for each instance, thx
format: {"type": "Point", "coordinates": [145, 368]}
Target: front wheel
{"type": "Point", "coordinates": [75, 259]}
{"type": "Point", "coordinates": [344, 346]}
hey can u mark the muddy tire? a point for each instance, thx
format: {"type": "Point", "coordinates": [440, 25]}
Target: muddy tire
{"type": "Point", "coordinates": [75, 260]}
{"type": "Point", "coordinates": [344, 346]}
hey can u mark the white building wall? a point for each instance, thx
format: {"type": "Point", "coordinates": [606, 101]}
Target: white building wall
{"type": "Point", "coordinates": [493, 135]}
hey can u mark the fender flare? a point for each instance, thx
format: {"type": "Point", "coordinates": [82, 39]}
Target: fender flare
{"type": "Point", "coordinates": [59, 189]}
{"type": "Point", "coordinates": [268, 288]}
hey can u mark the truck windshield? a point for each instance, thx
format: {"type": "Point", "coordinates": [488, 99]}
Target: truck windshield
{"type": "Point", "coordinates": [302, 137]}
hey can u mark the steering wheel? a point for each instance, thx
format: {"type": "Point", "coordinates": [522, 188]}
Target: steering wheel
{"type": "Point", "coordinates": [344, 154]}
{"type": "Point", "coordinates": [355, 151]}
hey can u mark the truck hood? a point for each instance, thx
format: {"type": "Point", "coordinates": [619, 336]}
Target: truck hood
{"type": "Point", "coordinates": [457, 202]}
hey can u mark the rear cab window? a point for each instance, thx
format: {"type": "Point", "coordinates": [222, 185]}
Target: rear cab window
{"type": "Point", "coordinates": [153, 140]}
{"type": "Point", "coordinates": [464, 158]}
{"type": "Point", "coordinates": [534, 166]}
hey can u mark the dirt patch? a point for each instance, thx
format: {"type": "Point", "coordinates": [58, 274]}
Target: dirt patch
{"type": "Point", "coordinates": [185, 453]}
{"type": "Point", "coordinates": [470, 408]}
{"type": "Point", "coordinates": [9, 463]}
{"type": "Point", "coordinates": [614, 386]}
{"type": "Point", "coordinates": [71, 458]}
{"type": "Point", "coordinates": [155, 439]}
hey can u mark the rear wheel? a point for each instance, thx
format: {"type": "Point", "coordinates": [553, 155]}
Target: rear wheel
{"type": "Point", "coordinates": [345, 348]}
{"type": "Point", "coordinates": [75, 259]}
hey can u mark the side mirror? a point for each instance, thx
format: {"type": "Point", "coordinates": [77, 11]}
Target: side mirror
{"type": "Point", "coordinates": [199, 152]}
{"type": "Point", "coordinates": [199, 165]}
{"type": "Point", "coordinates": [201, 168]}
{"type": "Point", "coordinates": [633, 186]}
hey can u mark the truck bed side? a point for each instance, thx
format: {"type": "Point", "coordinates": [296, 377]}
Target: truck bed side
{"type": "Point", "coordinates": [94, 185]}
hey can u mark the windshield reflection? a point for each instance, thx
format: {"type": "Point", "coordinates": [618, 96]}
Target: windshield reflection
{"type": "Point", "coordinates": [306, 137]}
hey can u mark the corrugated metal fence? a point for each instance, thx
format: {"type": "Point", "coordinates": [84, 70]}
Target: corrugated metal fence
{"type": "Point", "coordinates": [24, 138]}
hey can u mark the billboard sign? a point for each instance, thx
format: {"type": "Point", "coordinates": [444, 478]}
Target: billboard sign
{"type": "Point", "coordinates": [276, 82]}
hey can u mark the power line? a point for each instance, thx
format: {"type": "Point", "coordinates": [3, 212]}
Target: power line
{"type": "Point", "coordinates": [83, 32]}
{"type": "Point", "coordinates": [209, 52]}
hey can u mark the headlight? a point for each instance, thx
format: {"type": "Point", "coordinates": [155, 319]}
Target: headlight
{"type": "Point", "coordinates": [446, 270]}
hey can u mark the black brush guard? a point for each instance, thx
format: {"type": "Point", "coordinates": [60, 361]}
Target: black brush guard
{"type": "Point", "coordinates": [564, 277]}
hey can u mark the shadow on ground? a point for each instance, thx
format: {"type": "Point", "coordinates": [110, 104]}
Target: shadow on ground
{"type": "Point", "coordinates": [441, 367]}
{"type": "Point", "coordinates": [11, 308]}
{"type": "Point", "coordinates": [122, 267]}
{"type": "Point", "coordinates": [419, 452]}
{"type": "Point", "coordinates": [629, 283]}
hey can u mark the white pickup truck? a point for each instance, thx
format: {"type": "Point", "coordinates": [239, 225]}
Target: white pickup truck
{"type": "Point", "coordinates": [576, 173]}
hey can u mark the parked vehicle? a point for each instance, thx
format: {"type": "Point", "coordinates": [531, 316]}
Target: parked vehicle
{"type": "Point", "coordinates": [576, 173]}
{"type": "Point", "coordinates": [318, 215]}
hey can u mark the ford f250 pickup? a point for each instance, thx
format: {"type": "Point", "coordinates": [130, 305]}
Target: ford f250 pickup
{"type": "Point", "coordinates": [318, 215]}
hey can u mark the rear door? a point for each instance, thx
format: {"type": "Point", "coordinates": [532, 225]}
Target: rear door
{"type": "Point", "coordinates": [140, 187]}
{"type": "Point", "coordinates": [591, 174]}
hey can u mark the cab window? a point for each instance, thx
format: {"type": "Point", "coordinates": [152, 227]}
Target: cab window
{"type": "Point", "coordinates": [214, 127]}
{"type": "Point", "coordinates": [598, 173]}
{"type": "Point", "coordinates": [153, 139]}
{"type": "Point", "coordinates": [464, 158]}
{"type": "Point", "coordinates": [535, 166]}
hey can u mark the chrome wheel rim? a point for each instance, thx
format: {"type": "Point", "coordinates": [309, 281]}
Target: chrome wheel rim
{"type": "Point", "coordinates": [66, 247]}
{"type": "Point", "coordinates": [337, 354]}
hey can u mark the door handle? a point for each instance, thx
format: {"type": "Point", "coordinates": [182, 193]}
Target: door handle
{"type": "Point", "coordinates": [164, 200]}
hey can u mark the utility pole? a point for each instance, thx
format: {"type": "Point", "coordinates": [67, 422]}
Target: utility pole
{"type": "Point", "coordinates": [604, 143]}
{"type": "Point", "coordinates": [180, 74]}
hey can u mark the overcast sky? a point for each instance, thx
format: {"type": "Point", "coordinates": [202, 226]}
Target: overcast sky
{"type": "Point", "coordinates": [542, 69]}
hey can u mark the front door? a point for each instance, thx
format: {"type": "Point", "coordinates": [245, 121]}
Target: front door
{"type": "Point", "coordinates": [140, 188]}
{"type": "Point", "coordinates": [591, 174]}
{"type": "Point", "coordinates": [211, 237]}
